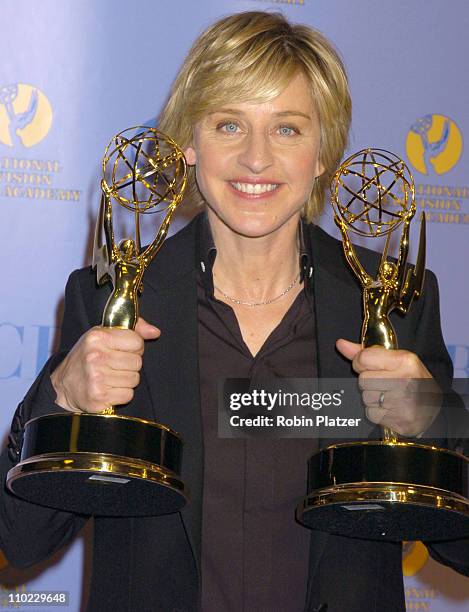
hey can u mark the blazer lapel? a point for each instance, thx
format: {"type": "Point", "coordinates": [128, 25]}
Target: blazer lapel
{"type": "Point", "coordinates": [338, 305]}
{"type": "Point", "coordinates": [338, 314]}
{"type": "Point", "coordinates": [170, 367]}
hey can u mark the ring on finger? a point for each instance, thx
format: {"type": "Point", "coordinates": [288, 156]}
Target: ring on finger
{"type": "Point", "coordinates": [381, 399]}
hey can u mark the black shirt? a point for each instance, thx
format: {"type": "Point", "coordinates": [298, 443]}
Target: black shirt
{"type": "Point", "coordinates": [254, 553]}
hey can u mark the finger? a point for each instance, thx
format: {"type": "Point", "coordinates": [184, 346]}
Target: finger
{"type": "Point", "coordinates": [396, 413]}
{"type": "Point", "coordinates": [121, 379]}
{"type": "Point", "coordinates": [377, 358]}
{"type": "Point", "coordinates": [124, 340]}
{"type": "Point", "coordinates": [378, 416]}
{"type": "Point", "coordinates": [402, 423]}
{"type": "Point", "coordinates": [98, 339]}
{"type": "Point", "coordinates": [117, 396]}
{"type": "Point", "coordinates": [372, 398]}
{"type": "Point", "coordinates": [109, 396]}
{"type": "Point", "coordinates": [348, 349]}
{"type": "Point", "coordinates": [146, 330]}
{"type": "Point", "coordinates": [382, 381]}
{"type": "Point", "coordinates": [391, 400]}
{"type": "Point", "coordinates": [123, 361]}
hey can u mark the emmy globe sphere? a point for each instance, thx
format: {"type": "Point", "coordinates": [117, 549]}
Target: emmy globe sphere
{"type": "Point", "coordinates": [373, 192]}
{"type": "Point", "coordinates": [144, 170]}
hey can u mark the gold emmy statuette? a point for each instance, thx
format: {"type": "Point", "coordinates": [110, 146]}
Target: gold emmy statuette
{"type": "Point", "coordinates": [107, 464]}
{"type": "Point", "coordinates": [388, 489]}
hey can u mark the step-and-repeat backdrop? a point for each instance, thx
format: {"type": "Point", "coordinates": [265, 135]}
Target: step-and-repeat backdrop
{"type": "Point", "coordinates": [75, 73]}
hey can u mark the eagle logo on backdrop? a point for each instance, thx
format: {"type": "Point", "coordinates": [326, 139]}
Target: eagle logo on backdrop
{"type": "Point", "coordinates": [434, 144]}
{"type": "Point", "coordinates": [25, 115]}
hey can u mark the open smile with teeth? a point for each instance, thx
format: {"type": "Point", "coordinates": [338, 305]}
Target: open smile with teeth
{"type": "Point", "coordinates": [255, 188]}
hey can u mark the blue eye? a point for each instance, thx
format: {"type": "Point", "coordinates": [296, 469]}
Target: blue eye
{"type": "Point", "coordinates": [230, 127]}
{"type": "Point", "coordinates": [284, 130]}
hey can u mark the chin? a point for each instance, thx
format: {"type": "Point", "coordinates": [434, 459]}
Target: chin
{"type": "Point", "coordinates": [253, 218]}
{"type": "Point", "coordinates": [254, 225]}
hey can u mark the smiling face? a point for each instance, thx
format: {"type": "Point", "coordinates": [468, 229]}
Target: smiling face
{"type": "Point", "coordinates": [256, 162]}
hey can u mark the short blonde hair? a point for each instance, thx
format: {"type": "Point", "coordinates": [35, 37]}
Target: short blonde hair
{"type": "Point", "coordinates": [251, 57]}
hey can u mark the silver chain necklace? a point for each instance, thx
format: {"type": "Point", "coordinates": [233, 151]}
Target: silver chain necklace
{"type": "Point", "coordinates": [253, 304]}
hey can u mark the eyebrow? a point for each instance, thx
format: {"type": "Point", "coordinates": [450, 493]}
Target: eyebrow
{"type": "Point", "coordinates": [286, 113]}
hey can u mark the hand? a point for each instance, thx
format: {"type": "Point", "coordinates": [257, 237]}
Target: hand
{"type": "Point", "coordinates": [102, 369]}
{"type": "Point", "coordinates": [397, 389]}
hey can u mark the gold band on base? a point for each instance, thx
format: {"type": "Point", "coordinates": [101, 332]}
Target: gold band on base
{"type": "Point", "coordinates": [98, 463]}
{"type": "Point", "coordinates": [384, 492]}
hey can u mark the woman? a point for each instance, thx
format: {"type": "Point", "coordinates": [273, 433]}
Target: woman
{"type": "Point", "coordinates": [248, 289]}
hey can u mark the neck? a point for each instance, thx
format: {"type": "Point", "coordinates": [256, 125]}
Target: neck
{"type": "Point", "coordinates": [255, 268]}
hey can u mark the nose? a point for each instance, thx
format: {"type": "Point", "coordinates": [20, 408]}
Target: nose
{"type": "Point", "coordinates": [256, 154]}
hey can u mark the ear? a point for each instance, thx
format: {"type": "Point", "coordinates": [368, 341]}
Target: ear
{"type": "Point", "coordinates": [190, 155]}
{"type": "Point", "coordinates": [319, 168]}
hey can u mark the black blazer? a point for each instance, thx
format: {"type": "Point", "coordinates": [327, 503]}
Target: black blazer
{"type": "Point", "coordinates": [147, 564]}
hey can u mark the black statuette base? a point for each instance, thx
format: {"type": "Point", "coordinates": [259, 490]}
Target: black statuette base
{"type": "Point", "coordinates": [104, 465]}
{"type": "Point", "coordinates": [387, 491]}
